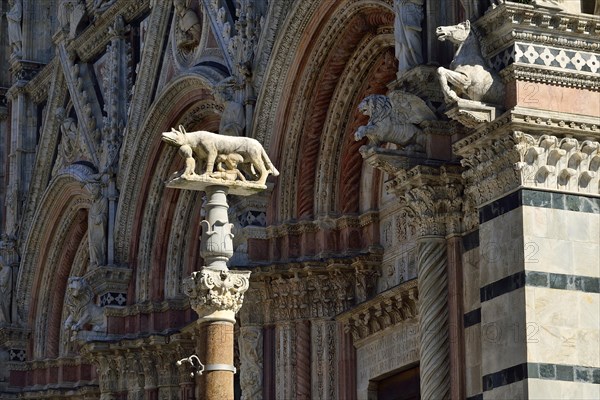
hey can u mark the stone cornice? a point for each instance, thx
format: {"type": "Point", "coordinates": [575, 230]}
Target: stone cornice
{"type": "Point", "coordinates": [148, 307]}
{"type": "Point", "coordinates": [511, 22]}
{"type": "Point", "coordinates": [12, 335]}
{"type": "Point", "coordinates": [383, 311]}
{"type": "Point", "coordinates": [530, 120]}
{"type": "Point", "coordinates": [326, 222]}
{"type": "Point", "coordinates": [551, 76]}
{"type": "Point", "coordinates": [114, 343]}
{"type": "Point", "coordinates": [93, 41]}
{"type": "Point", "coordinates": [57, 390]}
{"type": "Point", "coordinates": [39, 87]}
{"type": "Point", "coordinates": [502, 160]}
{"type": "Point", "coordinates": [113, 278]}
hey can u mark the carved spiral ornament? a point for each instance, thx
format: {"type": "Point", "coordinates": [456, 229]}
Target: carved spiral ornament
{"type": "Point", "coordinates": [435, 346]}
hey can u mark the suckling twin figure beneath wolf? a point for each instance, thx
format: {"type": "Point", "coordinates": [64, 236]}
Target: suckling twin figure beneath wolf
{"type": "Point", "coordinates": [229, 158]}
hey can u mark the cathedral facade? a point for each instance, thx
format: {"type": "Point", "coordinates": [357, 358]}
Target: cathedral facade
{"type": "Point", "coordinates": [433, 231]}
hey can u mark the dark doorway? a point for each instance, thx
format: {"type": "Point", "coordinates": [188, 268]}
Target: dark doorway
{"type": "Point", "coordinates": [400, 386]}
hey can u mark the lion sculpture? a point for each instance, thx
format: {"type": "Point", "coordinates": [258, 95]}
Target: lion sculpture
{"type": "Point", "coordinates": [212, 148]}
{"type": "Point", "coordinates": [81, 307]}
{"type": "Point", "coordinates": [394, 119]}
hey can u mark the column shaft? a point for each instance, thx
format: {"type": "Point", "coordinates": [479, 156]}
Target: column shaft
{"type": "Point", "coordinates": [216, 347]}
{"type": "Point", "coordinates": [433, 309]}
{"type": "Point", "coordinates": [455, 318]}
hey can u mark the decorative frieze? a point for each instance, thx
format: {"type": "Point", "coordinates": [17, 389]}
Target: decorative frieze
{"type": "Point", "coordinates": [311, 290]}
{"type": "Point", "coordinates": [547, 56]}
{"type": "Point", "coordinates": [148, 307]}
{"type": "Point", "coordinates": [384, 311]}
{"type": "Point", "coordinates": [504, 161]}
{"type": "Point", "coordinates": [564, 164]}
{"type": "Point", "coordinates": [251, 358]}
{"type": "Point", "coordinates": [511, 22]}
{"type": "Point", "coordinates": [131, 365]}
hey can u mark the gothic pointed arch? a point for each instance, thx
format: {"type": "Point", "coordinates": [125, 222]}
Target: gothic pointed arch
{"type": "Point", "coordinates": [154, 222]}
{"type": "Point", "coordinates": [345, 54]}
{"type": "Point", "coordinates": [49, 255]}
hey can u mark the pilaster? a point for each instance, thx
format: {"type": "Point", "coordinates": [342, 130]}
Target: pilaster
{"type": "Point", "coordinates": [531, 181]}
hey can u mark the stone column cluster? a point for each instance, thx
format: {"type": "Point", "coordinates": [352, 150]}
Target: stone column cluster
{"type": "Point", "coordinates": [431, 197]}
{"type": "Point", "coordinates": [295, 307]}
{"type": "Point", "coordinates": [142, 368]}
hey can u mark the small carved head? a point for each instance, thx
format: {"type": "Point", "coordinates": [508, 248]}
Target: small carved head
{"type": "Point", "coordinates": [75, 285]}
{"type": "Point", "coordinates": [454, 33]}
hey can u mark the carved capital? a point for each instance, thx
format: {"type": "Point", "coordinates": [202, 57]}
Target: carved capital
{"type": "Point", "coordinates": [433, 198]}
{"type": "Point", "coordinates": [216, 294]}
{"type": "Point", "coordinates": [385, 310]}
{"type": "Point", "coordinates": [490, 164]}
{"type": "Point", "coordinates": [431, 195]}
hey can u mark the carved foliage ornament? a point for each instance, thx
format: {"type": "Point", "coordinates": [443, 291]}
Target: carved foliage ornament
{"type": "Point", "coordinates": [213, 290]}
{"type": "Point", "coordinates": [555, 163]}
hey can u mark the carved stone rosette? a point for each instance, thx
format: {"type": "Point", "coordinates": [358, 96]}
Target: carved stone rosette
{"type": "Point", "coordinates": [216, 294]}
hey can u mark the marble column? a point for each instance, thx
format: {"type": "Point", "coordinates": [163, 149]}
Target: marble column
{"type": "Point", "coordinates": [433, 308]}
{"type": "Point", "coordinates": [455, 317]}
{"type": "Point", "coordinates": [285, 387]}
{"type": "Point", "coordinates": [216, 293]}
{"type": "Point", "coordinates": [303, 362]}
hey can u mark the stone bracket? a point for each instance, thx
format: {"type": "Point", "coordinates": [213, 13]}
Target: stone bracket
{"type": "Point", "coordinates": [472, 113]}
{"type": "Point", "coordinates": [110, 283]}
